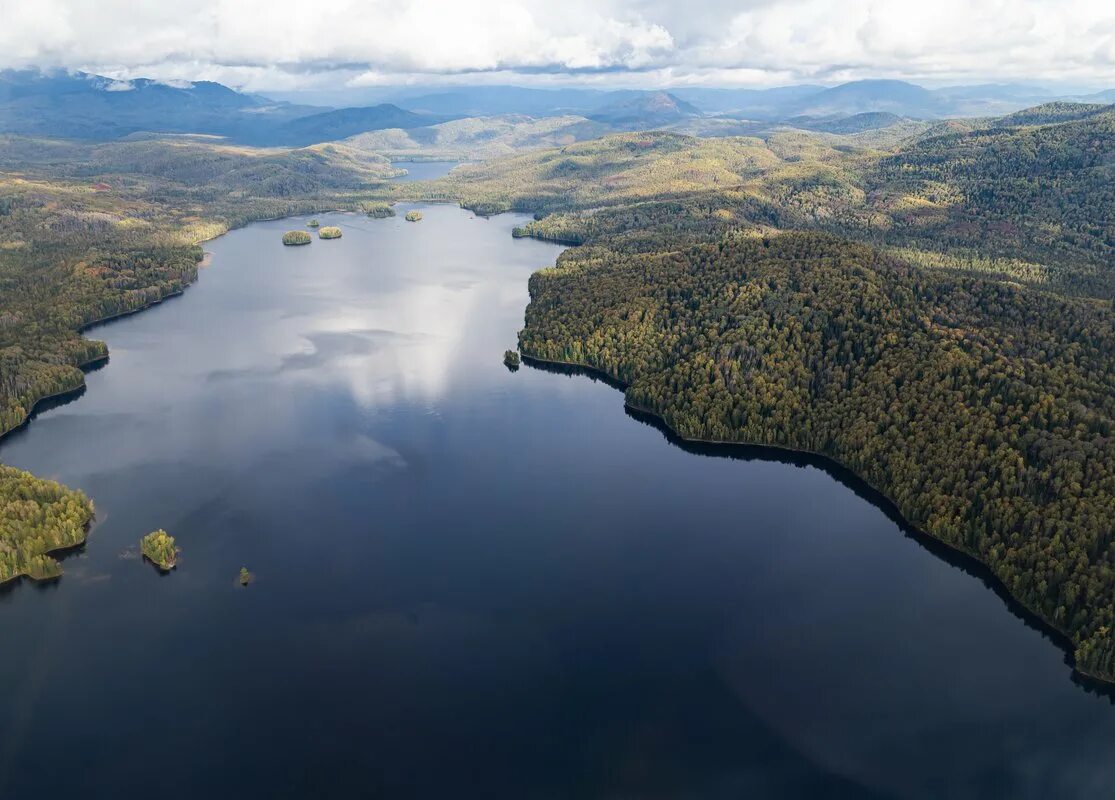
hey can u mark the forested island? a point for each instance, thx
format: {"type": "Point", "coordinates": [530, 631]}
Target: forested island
{"type": "Point", "coordinates": [413, 216]}
{"type": "Point", "coordinates": [38, 517]}
{"type": "Point", "coordinates": [159, 548]}
{"type": "Point", "coordinates": [511, 359]}
{"type": "Point", "coordinates": [937, 318]}
{"type": "Point", "coordinates": [296, 238]}
{"type": "Point", "coordinates": [329, 232]}
{"type": "Point", "coordinates": [379, 210]}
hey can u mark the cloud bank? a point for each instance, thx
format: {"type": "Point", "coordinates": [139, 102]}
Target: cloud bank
{"type": "Point", "coordinates": [277, 44]}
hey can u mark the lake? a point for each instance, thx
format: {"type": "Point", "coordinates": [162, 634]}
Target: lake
{"type": "Point", "coordinates": [479, 583]}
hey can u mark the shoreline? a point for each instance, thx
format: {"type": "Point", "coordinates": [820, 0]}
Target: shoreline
{"type": "Point", "coordinates": [203, 262]}
{"type": "Point", "coordinates": [85, 366]}
{"type": "Point", "coordinates": [1059, 637]}
{"type": "Point", "coordinates": [58, 553]}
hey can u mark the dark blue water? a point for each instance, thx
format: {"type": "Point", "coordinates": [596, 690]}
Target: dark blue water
{"type": "Point", "coordinates": [474, 583]}
{"type": "Point", "coordinates": [423, 170]}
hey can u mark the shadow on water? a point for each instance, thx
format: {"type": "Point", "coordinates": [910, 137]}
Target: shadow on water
{"type": "Point", "coordinates": [54, 401]}
{"type": "Point", "coordinates": [749, 452]}
{"type": "Point", "coordinates": [8, 588]}
{"type": "Point", "coordinates": [41, 407]}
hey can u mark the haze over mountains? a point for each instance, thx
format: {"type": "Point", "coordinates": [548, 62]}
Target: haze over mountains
{"type": "Point", "coordinates": [84, 106]}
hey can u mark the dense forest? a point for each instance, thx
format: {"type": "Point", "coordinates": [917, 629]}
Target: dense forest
{"type": "Point", "coordinates": [37, 517]}
{"type": "Point", "coordinates": [937, 317]}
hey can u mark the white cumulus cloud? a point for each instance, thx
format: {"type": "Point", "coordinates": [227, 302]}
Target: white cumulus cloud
{"type": "Point", "coordinates": [286, 43]}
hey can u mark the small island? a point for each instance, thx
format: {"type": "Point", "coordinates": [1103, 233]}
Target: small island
{"type": "Point", "coordinates": [380, 211]}
{"type": "Point", "coordinates": [158, 548]}
{"type": "Point", "coordinates": [511, 359]}
{"type": "Point", "coordinates": [312, 223]}
{"type": "Point", "coordinates": [291, 238]}
{"type": "Point", "coordinates": [245, 577]}
{"type": "Point", "coordinates": [329, 232]}
{"type": "Point", "coordinates": [413, 216]}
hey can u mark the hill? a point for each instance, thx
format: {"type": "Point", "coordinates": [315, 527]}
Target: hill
{"type": "Point", "coordinates": [1053, 112]}
{"type": "Point", "coordinates": [478, 138]}
{"type": "Point", "coordinates": [852, 123]}
{"type": "Point", "coordinates": [344, 122]}
{"type": "Point", "coordinates": [644, 110]}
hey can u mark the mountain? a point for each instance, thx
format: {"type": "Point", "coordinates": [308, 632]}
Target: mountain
{"type": "Point", "coordinates": [83, 106]}
{"type": "Point", "coordinates": [649, 109]}
{"type": "Point", "coordinates": [344, 122]}
{"type": "Point", "coordinates": [755, 103]}
{"type": "Point", "coordinates": [895, 97]}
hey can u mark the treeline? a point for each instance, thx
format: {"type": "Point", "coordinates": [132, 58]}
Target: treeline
{"type": "Point", "coordinates": [37, 517]}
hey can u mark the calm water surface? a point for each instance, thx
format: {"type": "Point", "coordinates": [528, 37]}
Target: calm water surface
{"type": "Point", "coordinates": [478, 583]}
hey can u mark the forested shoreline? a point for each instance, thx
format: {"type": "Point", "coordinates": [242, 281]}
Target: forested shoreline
{"type": "Point", "coordinates": [37, 518]}
{"type": "Point", "coordinates": [89, 233]}
{"type": "Point", "coordinates": [957, 358]}
{"type": "Point", "coordinates": [93, 232]}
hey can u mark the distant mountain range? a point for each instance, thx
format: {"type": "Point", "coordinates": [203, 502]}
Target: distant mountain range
{"type": "Point", "coordinates": [888, 96]}
{"type": "Point", "coordinates": [84, 106]}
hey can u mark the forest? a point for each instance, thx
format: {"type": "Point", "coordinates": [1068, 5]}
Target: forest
{"type": "Point", "coordinates": [937, 317]}
{"type": "Point", "coordinates": [1012, 200]}
{"type": "Point", "coordinates": [158, 547]}
{"type": "Point", "coordinates": [37, 517]}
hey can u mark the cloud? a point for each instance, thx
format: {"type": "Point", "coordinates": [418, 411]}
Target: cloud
{"type": "Point", "coordinates": [262, 44]}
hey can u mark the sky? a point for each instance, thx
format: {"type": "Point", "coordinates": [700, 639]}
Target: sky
{"type": "Point", "coordinates": [285, 45]}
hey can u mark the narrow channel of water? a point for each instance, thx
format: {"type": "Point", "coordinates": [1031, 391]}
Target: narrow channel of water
{"type": "Point", "coordinates": [473, 582]}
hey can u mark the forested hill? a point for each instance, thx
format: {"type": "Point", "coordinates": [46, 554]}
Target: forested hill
{"type": "Point", "coordinates": [1040, 193]}
{"type": "Point", "coordinates": [1024, 202]}
{"type": "Point", "coordinates": [938, 319]}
